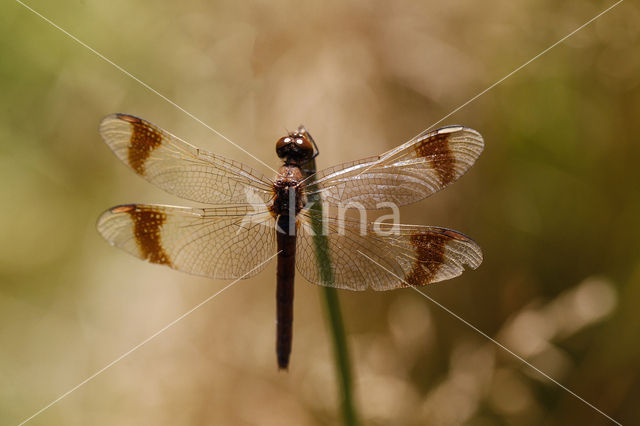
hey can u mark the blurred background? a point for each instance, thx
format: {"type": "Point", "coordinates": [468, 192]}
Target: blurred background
{"type": "Point", "coordinates": [553, 201]}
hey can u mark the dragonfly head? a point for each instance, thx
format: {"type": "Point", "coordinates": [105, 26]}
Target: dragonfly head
{"type": "Point", "coordinates": [296, 148]}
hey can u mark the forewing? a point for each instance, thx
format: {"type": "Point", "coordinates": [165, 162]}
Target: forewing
{"type": "Point", "coordinates": [406, 174]}
{"type": "Point", "coordinates": [180, 168]}
{"type": "Point", "coordinates": [222, 243]}
{"type": "Point", "coordinates": [382, 258]}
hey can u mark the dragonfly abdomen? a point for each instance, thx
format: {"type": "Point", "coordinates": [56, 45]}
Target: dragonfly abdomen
{"type": "Point", "coordinates": [284, 291]}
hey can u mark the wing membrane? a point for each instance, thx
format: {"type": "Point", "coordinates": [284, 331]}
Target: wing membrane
{"type": "Point", "coordinates": [411, 256]}
{"type": "Point", "coordinates": [221, 243]}
{"type": "Point", "coordinates": [180, 168]}
{"type": "Point", "coordinates": [403, 175]}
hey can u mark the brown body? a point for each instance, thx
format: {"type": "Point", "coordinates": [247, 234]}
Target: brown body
{"type": "Point", "coordinates": [287, 203]}
{"type": "Point", "coordinates": [284, 294]}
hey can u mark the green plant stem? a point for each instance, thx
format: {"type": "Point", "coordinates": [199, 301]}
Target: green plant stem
{"type": "Point", "coordinates": [332, 304]}
{"type": "Point", "coordinates": [341, 352]}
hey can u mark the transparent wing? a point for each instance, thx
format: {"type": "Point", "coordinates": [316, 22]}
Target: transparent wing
{"type": "Point", "coordinates": [222, 243]}
{"type": "Point", "coordinates": [180, 168]}
{"type": "Point", "coordinates": [403, 175]}
{"type": "Point", "coordinates": [380, 256]}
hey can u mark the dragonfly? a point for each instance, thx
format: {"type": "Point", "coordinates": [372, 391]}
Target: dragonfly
{"type": "Point", "coordinates": [250, 218]}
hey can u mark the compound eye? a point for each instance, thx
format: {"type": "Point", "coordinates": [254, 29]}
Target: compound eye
{"type": "Point", "coordinates": [296, 148]}
{"type": "Point", "coordinates": [282, 144]}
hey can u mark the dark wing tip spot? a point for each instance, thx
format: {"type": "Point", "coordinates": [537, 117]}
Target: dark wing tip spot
{"type": "Point", "coordinates": [123, 209]}
{"type": "Point", "coordinates": [456, 235]}
{"type": "Point", "coordinates": [128, 117]}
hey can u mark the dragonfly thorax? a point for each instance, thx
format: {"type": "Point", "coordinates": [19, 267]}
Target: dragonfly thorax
{"type": "Point", "coordinates": [288, 192]}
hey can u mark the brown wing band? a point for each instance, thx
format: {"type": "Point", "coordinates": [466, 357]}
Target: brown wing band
{"type": "Point", "coordinates": [430, 255]}
{"type": "Point", "coordinates": [144, 139]}
{"type": "Point", "coordinates": [146, 229]}
{"type": "Point", "coordinates": [437, 148]}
